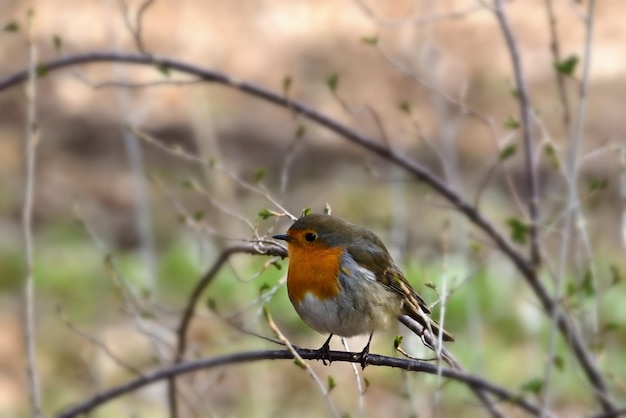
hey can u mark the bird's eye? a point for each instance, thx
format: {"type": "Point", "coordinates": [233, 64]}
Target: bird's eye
{"type": "Point", "coordinates": [311, 236]}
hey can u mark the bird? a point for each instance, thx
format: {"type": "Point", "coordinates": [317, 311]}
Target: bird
{"type": "Point", "coordinates": [343, 281]}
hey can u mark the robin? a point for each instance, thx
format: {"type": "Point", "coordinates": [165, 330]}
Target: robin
{"type": "Point", "coordinates": [343, 281]}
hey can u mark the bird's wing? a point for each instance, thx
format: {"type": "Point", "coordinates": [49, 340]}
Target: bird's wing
{"type": "Point", "coordinates": [378, 260]}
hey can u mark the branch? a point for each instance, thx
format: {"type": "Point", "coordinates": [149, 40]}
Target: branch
{"type": "Point", "coordinates": [573, 211]}
{"type": "Point", "coordinates": [524, 101]}
{"type": "Point", "coordinates": [524, 266]}
{"type": "Point", "coordinates": [336, 356]}
{"type": "Point", "coordinates": [556, 57]}
{"type": "Point", "coordinates": [136, 29]}
{"type": "Point", "coordinates": [30, 157]}
{"type": "Point", "coordinates": [181, 333]}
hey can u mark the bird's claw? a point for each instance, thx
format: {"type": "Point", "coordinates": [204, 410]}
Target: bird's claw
{"type": "Point", "coordinates": [364, 356]}
{"type": "Point", "coordinates": [324, 351]}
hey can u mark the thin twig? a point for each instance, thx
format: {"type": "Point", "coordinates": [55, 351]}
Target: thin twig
{"type": "Point", "coordinates": [98, 343]}
{"type": "Point", "coordinates": [525, 109]}
{"type": "Point", "coordinates": [419, 20]}
{"type": "Point", "coordinates": [180, 153]}
{"type": "Point", "coordinates": [613, 414]}
{"type": "Point", "coordinates": [623, 193]}
{"type": "Point", "coordinates": [464, 108]}
{"type": "Point", "coordinates": [572, 212]}
{"type": "Point", "coordinates": [207, 278]}
{"type": "Point", "coordinates": [301, 363]}
{"type": "Point", "coordinates": [169, 372]}
{"type": "Point", "coordinates": [357, 379]}
{"type": "Point", "coordinates": [136, 29]}
{"type": "Point", "coordinates": [556, 58]}
{"type": "Point", "coordinates": [32, 136]}
{"type": "Point", "coordinates": [445, 355]}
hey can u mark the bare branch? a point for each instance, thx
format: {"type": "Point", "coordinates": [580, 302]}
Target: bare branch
{"type": "Point", "coordinates": [420, 20]}
{"type": "Point", "coordinates": [301, 363]}
{"type": "Point", "coordinates": [574, 212]}
{"type": "Point", "coordinates": [170, 372]}
{"type": "Point", "coordinates": [357, 379]}
{"type": "Point", "coordinates": [30, 152]}
{"type": "Point", "coordinates": [136, 29]}
{"type": "Point", "coordinates": [556, 57]}
{"type": "Point", "coordinates": [98, 343]}
{"type": "Point", "coordinates": [181, 333]}
{"type": "Point", "coordinates": [525, 109]}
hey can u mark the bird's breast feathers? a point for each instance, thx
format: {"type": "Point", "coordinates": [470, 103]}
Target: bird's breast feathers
{"type": "Point", "coordinates": [356, 304]}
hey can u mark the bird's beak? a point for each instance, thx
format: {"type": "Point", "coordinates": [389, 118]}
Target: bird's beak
{"type": "Point", "coordinates": [283, 237]}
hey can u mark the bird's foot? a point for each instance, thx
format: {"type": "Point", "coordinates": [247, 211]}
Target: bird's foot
{"type": "Point", "coordinates": [364, 355]}
{"type": "Point", "coordinates": [324, 351]}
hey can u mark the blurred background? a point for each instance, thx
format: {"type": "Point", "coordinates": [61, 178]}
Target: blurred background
{"type": "Point", "coordinates": [123, 229]}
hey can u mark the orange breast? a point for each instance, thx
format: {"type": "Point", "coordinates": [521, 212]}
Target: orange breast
{"type": "Point", "coordinates": [313, 270]}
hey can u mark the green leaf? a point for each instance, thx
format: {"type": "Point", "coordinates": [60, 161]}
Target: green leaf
{"type": "Point", "coordinates": [370, 40]}
{"type": "Point", "coordinates": [58, 42]}
{"type": "Point", "coordinates": [567, 66]}
{"type": "Point", "coordinates": [298, 363]}
{"type": "Point", "coordinates": [508, 152]}
{"type": "Point", "coordinates": [519, 230]}
{"type": "Point", "coordinates": [476, 247]}
{"type": "Point", "coordinates": [511, 123]}
{"type": "Point", "coordinates": [198, 215]}
{"type": "Point", "coordinates": [571, 289]}
{"type": "Point", "coordinates": [616, 274]}
{"type": "Point", "coordinates": [534, 385]}
{"type": "Point", "coordinates": [558, 363]}
{"type": "Point", "coordinates": [610, 327]}
{"type": "Point", "coordinates": [397, 341]}
{"type": "Point", "coordinates": [146, 314]}
{"type": "Point", "coordinates": [431, 285]}
{"type": "Point", "coordinates": [331, 383]}
{"type": "Point", "coordinates": [264, 287]}
{"type": "Point", "coordinates": [405, 106]}
{"type": "Point", "coordinates": [586, 286]}
{"type": "Point", "coordinates": [553, 157]}
{"type": "Point", "coordinates": [211, 304]}
{"type": "Point", "coordinates": [332, 81]}
{"type": "Point", "coordinates": [42, 69]}
{"type": "Point", "coordinates": [12, 27]}
{"type": "Point", "coordinates": [300, 131]}
{"type": "Point", "coordinates": [598, 184]}
{"type": "Point", "coordinates": [266, 214]}
{"type": "Point", "coordinates": [189, 184]}
{"type": "Point", "coordinates": [164, 69]}
{"type": "Point", "coordinates": [259, 174]}
{"type": "Point", "coordinates": [305, 212]}
{"type": "Point", "coordinates": [287, 84]}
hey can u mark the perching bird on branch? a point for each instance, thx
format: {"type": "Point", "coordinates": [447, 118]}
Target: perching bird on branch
{"type": "Point", "coordinates": [343, 281]}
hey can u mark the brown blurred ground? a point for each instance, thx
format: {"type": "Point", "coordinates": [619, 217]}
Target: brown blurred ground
{"type": "Point", "coordinates": [265, 41]}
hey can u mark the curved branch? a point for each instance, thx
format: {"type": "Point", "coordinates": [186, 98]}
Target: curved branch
{"type": "Point", "coordinates": [524, 266]}
{"type": "Point", "coordinates": [181, 333]}
{"type": "Point", "coordinates": [340, 356]}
